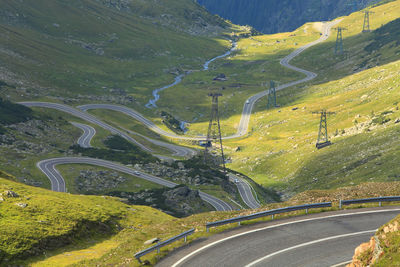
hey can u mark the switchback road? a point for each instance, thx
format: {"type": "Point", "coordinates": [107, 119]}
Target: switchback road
{"type": "Point", "coordinates": [245, 191]}
{"type": "Point", "coordinates": [48, 167]}
{"type": "Point", "coordinates": [87, 136]}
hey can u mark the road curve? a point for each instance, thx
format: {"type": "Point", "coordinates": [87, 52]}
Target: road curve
{"type": "Point", "coordinates": [85, 116]}
{"type": "Point", "coordinates": [87, 136]}
{"type": "Point", "coordinates": [323, 239]}
{"type": "Point", "coordinates": [245, 191]}
{"type": "Point", "coordinates": [48, 167]}
{"type": "Point", "coordinates": [177, 150]}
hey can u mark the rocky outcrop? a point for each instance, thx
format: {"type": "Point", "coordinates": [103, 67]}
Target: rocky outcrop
{"type": "Point", "coordinates": [180, 201]}
{"type": "Point", "coordinates": [90, 181]}
{"type": "Point", "coordinates": [381, 244]}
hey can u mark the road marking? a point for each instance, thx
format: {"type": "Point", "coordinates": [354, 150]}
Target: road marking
{"type": "Point", "coordinates": [307, 244]}
{"type": "Point", "coordinates": [275, 226]}
{"type": "Point", "coordinates": [342, 263]}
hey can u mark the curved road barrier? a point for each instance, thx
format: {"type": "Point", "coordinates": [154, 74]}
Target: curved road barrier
{"type": "Point", "coordinates": [320, 239]}
{"type": "Point", "coordinates": [163, 244]}
{"type": "Point", "coordinates": [369, 200]}
{"type": "Point", "coordinates": [48, 167]}
{"type": "Point", "coordinates": [268, 213]}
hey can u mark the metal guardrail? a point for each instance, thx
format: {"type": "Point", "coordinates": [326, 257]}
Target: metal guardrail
{"type": "Point", "coordinates": [268, 213]}
{"type": "Point", "coordinates": [162, 244]}
{"type": "Point", "coordinates": [368, 200]}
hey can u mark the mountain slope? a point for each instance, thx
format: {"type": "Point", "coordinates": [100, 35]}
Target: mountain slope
{"type": "Point", "coordinates": [280, 16]}
{"type": "Point", "coordinates": [365, 102]}
{"type": "Point", "coordinates": [93, 47]}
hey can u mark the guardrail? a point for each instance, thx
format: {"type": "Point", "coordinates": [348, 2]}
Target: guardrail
{"type": "Point", "coordinates": [162, 244]}
{"type": "Point", "coordinates": [268, 213]}
{"type": "Point", "coordinates": [368, 200]}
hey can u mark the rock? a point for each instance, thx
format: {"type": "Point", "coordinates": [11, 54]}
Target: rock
{"type": "Point", "coordinates": [10, 193]}
{"type": "Point", "coordinates": [181, 165]}
{"type": "Point", "coordinates": [220, 77]}
{"type": "Point", "coordinates": [1, 199]}
{"type": "Point", "coordinates": [238, 149]}
{"type": "Point", "coordinates": [397, 120]}
{"type": "Point", "coordinates": [22, 205]}
{"type": "Point", "coordinates": [296, 108]}
{"type": "Point", "coordinates": [152, 241]}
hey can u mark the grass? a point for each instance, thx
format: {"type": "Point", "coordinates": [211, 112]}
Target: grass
{"type": "Point", "coordinates": [116, 230]}
{"type": "Point", "coordinates": [85, 50]}
{"type": "Point", "coordinates": [289, 135]}
{"type": "Point", "coordinates": [255, 62]}
{"type": "Point", "coordinates": [31, 230]}
{"type": "Point", "coordinates": [279, 150]}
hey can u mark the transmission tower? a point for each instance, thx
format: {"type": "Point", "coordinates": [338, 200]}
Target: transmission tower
{"type": "Point", "coordinates": [366, 20]}
{"type": "Point", "coordinates": [214, 134]}
{"type": "Point", "coordinates": [271, 95]}
{"type": "Point", "coordinates": [323, 140]}
{"type": "Point", "coordinates": [339, 41]}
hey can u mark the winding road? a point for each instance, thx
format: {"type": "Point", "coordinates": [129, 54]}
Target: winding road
{"type": "Point", "coordinates": [245, 191]}
{"type": "Point", "coordinates": [249, 103]}
{"type": "Point", "coordinates": [48, 167]}
{"type": "Point", "coordinates": [177, 150]}
{"type": "Point", "coordinates": [58, 184]}
{"type": "Point", "coordinates": [323, 239]}
{"type": "Point", "coordinates": [88, 133]}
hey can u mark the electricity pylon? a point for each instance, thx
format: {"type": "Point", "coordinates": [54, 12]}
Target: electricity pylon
{"type": "Point", "coordinates": [214, 134]}
{"type": "Point", "coordinates": [271, 95]}
{"type": "Point", "coordinates": [339, 41]}
{"type": "Point", "coordinates": [366, 27]}
{"type": "Point", "coordinates": [323, 140]}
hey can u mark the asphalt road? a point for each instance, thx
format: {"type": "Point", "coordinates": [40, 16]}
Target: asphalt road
{"type": "Point", "coordinates": [48, 167]}
{"type": "Point", "coordinates": [88, 133]}
{"type": "Point", "coordinates": [85, 116]}
{"type": "Point", "coordinates": [177, 150]}
{"type": "Point", "coordinates": [323, 239]}
{"type": "Point", "coordinates": [245, 191]}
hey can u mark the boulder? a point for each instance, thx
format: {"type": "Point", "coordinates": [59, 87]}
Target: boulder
{"type": "Point", "coordinates": [10, 193]}
{"type": "Point", "coordinates": [152, 241]}
{"type": "Point", "coordinates": [22, 205]}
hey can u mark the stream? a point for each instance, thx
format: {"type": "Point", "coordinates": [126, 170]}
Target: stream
{"type": "Point", "coordinates": [179, 78]}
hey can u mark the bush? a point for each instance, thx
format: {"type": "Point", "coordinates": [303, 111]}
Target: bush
{"type": "Point", "coordinates": [11, 113]}
{"type": "Point", "coordinates": [115, 155]}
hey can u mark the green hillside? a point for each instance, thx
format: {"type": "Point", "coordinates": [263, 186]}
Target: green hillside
{"type": "Point", "coordinates": [34, 221]}
{"type": "Point", "coordinates": [83, 48]}
{"type": "Point", "coordinates": [361, 87]}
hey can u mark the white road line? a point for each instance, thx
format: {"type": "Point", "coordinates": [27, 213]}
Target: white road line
{"type": "Point", "coordinates": [342, 263]}
{"type": "Point", "coordinates": [307, 244]}
{"type": "Point", "coordinates": [271, 227]}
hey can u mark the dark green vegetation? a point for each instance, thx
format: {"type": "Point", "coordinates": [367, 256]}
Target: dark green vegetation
{"type": "Point", "coordinates": [118, 150]}
{"type": "Point", "coordinates": [171, 122]}
{"type": "Point", "coordinates": [387, 34]}
{"type": "Point", "coordinates": [64, 48]}
{"type": "Point", "coordinates": [279, 15]}
{"type": "Point", "coordinates": [11, 113]}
